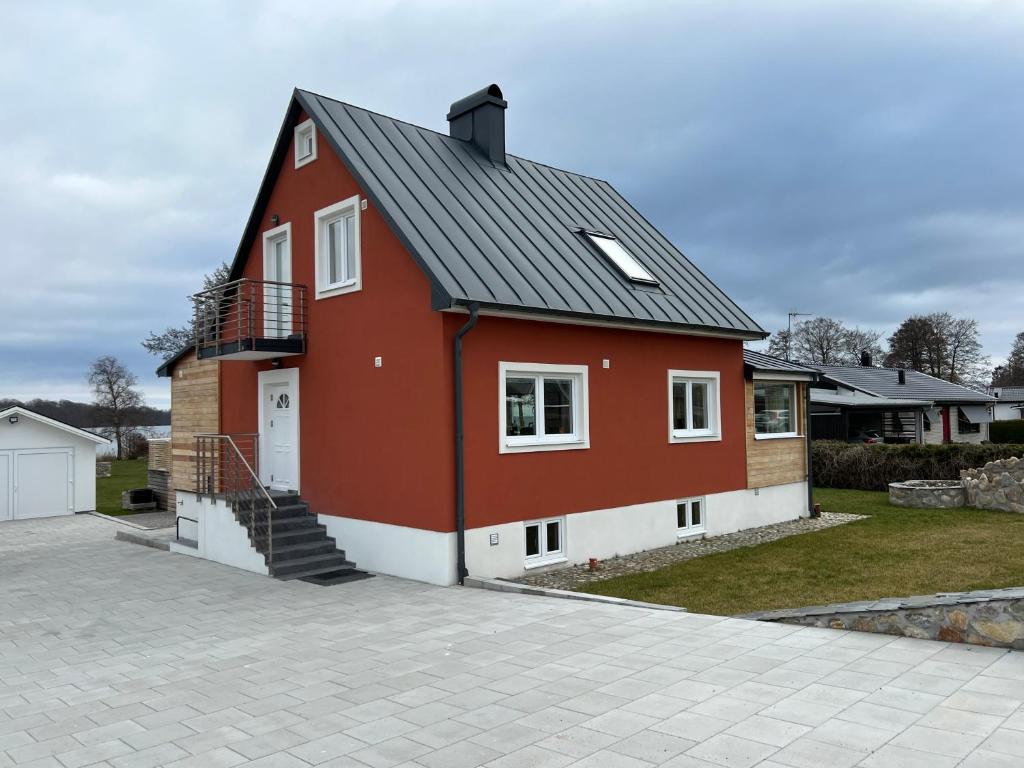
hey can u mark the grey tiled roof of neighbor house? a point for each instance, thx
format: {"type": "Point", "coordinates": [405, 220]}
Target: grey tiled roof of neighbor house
{"type": "Point", "coordinates": [509, 237]}
{"type": "Point", "coordinates": [1011, 394]}
{"type": "Point", "coordinates": [759, 361]}
{"type": "Point", "coordinates": [884, 382]}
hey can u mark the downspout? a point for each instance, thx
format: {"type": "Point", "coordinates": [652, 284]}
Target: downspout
{"type": "Point", "coordinates": [460, 464]}
{"type": "Point", "coordinates": [810, 452]}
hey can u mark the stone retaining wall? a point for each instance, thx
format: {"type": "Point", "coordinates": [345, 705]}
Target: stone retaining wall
{"type": "Point", "coordinates": [997, 485]}
{"type": "Point", "coordinates": [989, 617]}
{"type": "Point", "coordinates": [927, 494]}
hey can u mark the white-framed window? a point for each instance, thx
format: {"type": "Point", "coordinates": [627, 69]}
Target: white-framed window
{"type": "Point", "coordinates": [544, 542]}
{"type": "Point", "coordinates": [694, 410]}
{"type": "Point", "coordinates": [774, 410]}
{"type": "Point", "coordinates": [305, 143]}
{"type": "Point", "coordinates": [542, 407]}
{"type": "Point", "coordinates": [338, 265]}
{"type": "Point", "coordinates": [690, 517]}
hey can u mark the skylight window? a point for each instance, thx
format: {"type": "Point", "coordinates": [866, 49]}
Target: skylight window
{"type": "Point", "coordinates": [621, 258]}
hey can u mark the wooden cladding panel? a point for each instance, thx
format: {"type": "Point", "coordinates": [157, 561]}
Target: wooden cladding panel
{"type": "Point", "coordinates": [195, 399]}
{"type": "Point", "coordinates": [779, 460]}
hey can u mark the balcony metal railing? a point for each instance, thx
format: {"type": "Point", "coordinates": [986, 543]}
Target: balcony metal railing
{"type": "Point", "coordinates": [250, 316]}
{"type": "Point", "coordinates": [227, 466]}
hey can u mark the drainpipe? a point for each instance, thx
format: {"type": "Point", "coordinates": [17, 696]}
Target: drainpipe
{"type": "Point", "coordinates": [460, 465]}
{"type": "Point", "coordinates": [810, 454]}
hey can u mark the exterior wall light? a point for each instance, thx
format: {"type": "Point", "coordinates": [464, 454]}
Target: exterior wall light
{"type": "Point", "coordinates": [12, 419]}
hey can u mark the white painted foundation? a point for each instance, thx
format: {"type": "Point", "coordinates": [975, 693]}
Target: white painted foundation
{"type": "Point", "coordinates": [429, 556]}
{"type": "Point", "coordinates": [218, 536]}
{"type": "Point", "coordinates": [411, 553]}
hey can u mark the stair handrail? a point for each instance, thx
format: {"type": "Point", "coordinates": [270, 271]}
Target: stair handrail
{"type": "Point", "coordinates": [245, 485]}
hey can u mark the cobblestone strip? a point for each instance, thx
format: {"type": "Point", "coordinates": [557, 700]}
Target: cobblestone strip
{"type": "Point", "coordinates": [655, 559]}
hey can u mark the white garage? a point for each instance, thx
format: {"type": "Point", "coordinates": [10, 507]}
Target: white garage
{"type": "Point", "coordinates": [47, 468]}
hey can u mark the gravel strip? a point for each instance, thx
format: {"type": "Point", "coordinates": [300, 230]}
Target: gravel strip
{"type": "Point", "coordinates": [654, 559]}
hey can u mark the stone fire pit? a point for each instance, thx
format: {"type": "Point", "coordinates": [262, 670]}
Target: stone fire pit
{"type": "Point", "coordinates": [927, 494]}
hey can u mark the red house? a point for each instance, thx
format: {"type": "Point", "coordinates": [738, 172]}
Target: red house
{"type": "Point", "coordinates": [435, 358]}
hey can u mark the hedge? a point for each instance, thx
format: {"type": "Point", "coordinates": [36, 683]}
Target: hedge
{"type": "Point", "coordinates": [1007, 431]}
{"type": "Point", "coordinates": [873, 467]}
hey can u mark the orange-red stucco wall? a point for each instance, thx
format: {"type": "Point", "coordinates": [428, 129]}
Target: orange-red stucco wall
{"type": "Point", "coordinates": [377, 444]}
{"type": "Point", "coordinates": [630, 459]}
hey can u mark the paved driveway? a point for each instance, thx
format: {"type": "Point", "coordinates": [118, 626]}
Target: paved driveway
{"type": "Point", "coordinates": [120, 655]}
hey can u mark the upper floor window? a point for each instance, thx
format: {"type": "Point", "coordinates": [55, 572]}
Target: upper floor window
{"type": "Point", "coordinates": [305, 143]}
{"type": "Point", "coordinates": [774, 409]}
{"type": "Point", "coordinates": [694, 412]}
{"type": "Point", "coordinates": [338, 268]}
{"type": "Point", "coordinates": [542, 407]}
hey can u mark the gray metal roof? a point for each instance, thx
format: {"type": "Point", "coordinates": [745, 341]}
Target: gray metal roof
{"type": "Point", "coordinates": [508, 238]}
{"type": "Point", "coordinates": [884, 382]}
{"type": "Point", "coordinates": [759, 361]}
{"type": "Point", "coordinates": [1011, 394]}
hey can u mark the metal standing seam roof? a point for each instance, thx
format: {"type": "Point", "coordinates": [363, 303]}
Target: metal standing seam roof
{"type": "Point", "coordinates": [884, 382]}
{"type": "Point", "coordinates": [759, 361]}
{"type": "Point", "coordinates": [508, 238]}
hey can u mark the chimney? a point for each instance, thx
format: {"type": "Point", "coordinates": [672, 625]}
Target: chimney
{"type": "Point", "coordinates": [865, 358]}
{"type": "Point", "coordinates": [902, 376]}
{"type": "Point", "coordinates": [480, 118]}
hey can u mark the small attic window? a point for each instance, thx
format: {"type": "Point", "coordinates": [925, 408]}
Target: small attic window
{"type": "Point", "coordinates": [621, 258]}
{"type": "Point", "coordinates": [305, 143]}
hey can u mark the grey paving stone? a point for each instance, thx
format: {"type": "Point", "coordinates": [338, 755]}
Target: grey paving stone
{"type": "Point", "coordinates": [190, 663]}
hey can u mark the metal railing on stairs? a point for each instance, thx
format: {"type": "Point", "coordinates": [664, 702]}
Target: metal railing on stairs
{"type": "Point", "coordinates": [226, 467]}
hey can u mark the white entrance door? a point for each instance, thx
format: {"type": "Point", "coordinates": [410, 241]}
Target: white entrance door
{"type": "Point", "coordinates": [6, 481]}
{"type": "Point", "coordinates": [43, 483]}
{"type": "Point", "coordinates": [277, 268]}
{"type": "Point", "coordinates": [279, 434]}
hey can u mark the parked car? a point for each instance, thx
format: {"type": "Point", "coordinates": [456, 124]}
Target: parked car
{"type": "Point", "coordinates": [870, 436]}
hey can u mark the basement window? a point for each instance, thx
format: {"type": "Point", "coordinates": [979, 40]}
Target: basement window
{"type": "Point", "coordinates": [633, 270]}
{"type": "Point", "coordinates": [545, 542]}
{"type": "Point", "coordinates": [689, 517]}
{"type": "Point", "coordinates": [305, 143]}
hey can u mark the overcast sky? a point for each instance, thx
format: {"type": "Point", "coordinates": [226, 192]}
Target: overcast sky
{"type": "Point", "coordinates": [859, 160]}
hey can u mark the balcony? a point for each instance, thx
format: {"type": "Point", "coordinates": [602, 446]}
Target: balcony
{"type": "Point", "coordinates": [250, 320]}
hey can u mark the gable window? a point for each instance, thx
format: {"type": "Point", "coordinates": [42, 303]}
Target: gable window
{"type": "Point", "coordinates": [694, 410]}
{"type": "Point", "coordinates": [689, 517]}
{"type": "Point", "coordinates": [545, 542]}
{"type": "Point", "coordinates": [305, 143]}
{"type": "Point", "coordinates": [774, 410]}
{"type": "Point", "coordinates": [542, 407]}
{"type": "Point", "coordinates": [338, 268]}
{"type": "Point", "coordinates": [621, 258]}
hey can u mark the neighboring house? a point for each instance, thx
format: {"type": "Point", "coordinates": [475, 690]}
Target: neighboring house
{"type": "Point", "coordinates": [47, 467]}
{"type": "Point", "coordinates": [466, 362]}
{"type": "Point", "coordinates": [1009, 402]}
{"type": "Point", "coordinates": [901, 406]}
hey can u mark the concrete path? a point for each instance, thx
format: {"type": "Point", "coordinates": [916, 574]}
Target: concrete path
{"type": "Point", "coordinates": [125, 656]}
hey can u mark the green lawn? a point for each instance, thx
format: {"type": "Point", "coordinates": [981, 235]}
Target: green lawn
{"type": "Point", "coordinates": [123, 475]}
{"type": "Point", "coordinates": [895, 552]}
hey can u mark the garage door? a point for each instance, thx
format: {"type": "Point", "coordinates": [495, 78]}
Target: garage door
{"type": "Point", "coordinates": [43, 483]}
{"type": "Point", "coordinates": [6, 475]}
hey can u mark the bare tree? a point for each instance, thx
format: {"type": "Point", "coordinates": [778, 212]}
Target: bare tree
{"type": "Point", "coordinates": [172, 340]}
{"type": "Point", "coordinates": [824, 341]}
{"type": "Point", "coordinates": [1011, 374]}
{"type": "Point", "coordinates": [940, 345]}
{"type": "Point", "coordinates": [116, 397]}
